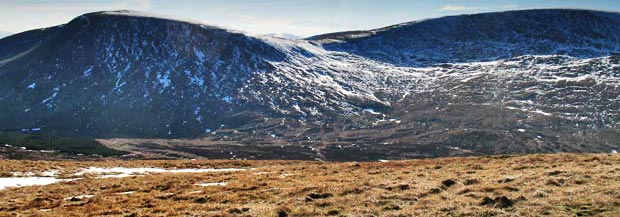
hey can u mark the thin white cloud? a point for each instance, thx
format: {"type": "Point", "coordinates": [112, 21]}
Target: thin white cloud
{"type": "Point", "coordinates": [458, 8]}
{"type": "Point", "coordinates": [143, 3]}
{"type": "Point", "coordinates": [72, 5]}
{"type": "Point", "coordinates": [266, 25]}
{"type": "Point", "coordinates": [4, 34]}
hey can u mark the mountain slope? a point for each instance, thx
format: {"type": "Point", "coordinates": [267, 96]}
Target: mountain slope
{"type": "Point", "coordinates": [90, 70]}
{"type": "Point", "coordinates": [484, 37]}
{"type": "Point", "coordinates": [168, 77]}
{"type": "Point", "coordinates": [508, 82]}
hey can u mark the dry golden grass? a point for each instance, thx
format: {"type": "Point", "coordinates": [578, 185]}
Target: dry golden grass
{"type": "Point", "coordinates": [532, 185]}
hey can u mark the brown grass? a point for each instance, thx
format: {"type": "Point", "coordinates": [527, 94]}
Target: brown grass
{"type": "Point", "coordinates": [532, 185]}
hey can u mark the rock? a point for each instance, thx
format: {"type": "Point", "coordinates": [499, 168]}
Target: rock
{"type": "Point", "coordinates": [73, 199]}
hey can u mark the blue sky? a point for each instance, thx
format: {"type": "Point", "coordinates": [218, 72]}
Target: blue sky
{"type": "Point", "coordinates": [299, 17]}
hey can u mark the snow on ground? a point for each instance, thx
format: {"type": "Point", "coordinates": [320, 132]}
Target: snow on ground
{"type": "Point", "coordinates": [9, 182]}
{"type": "Point", "coordinates": [50, 173]}
{"type": "Point", "coordinates": [22, 179]}
{"type": "Point", "coordinates": [263, 173]}
{"type": "Point", "coordinates": [207, 184]}
{"type": "Point", "coordinates": [79, 197]}
{"type": "Point", "coordinates": [120, 172]}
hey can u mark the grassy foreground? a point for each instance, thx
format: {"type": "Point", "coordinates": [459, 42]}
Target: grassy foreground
{"type": "Point", "coordinates": [531, 185]}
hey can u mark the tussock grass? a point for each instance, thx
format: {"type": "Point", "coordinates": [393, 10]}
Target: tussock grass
{"type": "Point", "coordinates": [530, 185]}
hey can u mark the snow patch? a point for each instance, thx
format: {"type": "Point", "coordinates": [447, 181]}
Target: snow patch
{"type": "Point", "coordinates": [201, 56]}
{"type": "Point", "coordinates": [50, 98]}
{"type": "Point", "coordinates": [228, 99]}
{"type": "Point", "coordinates": [207, 184]}
{"type": "Point", "coordinates": [371, 111]}
{"type": "Point", "coordinates": [28, 181]}
{"type": "Point", "coordinates": [164, 80]}
{"type": "Point", "coordinates": [50, 173]}
{"type": "Point", "coordinates": [32, 86]}
{"type": "Point", "coordinates": [79, 197]}
{"type": "Point", "coordinates": [120, 172]}
{"type": "Point", "coordinates": [87, 72]}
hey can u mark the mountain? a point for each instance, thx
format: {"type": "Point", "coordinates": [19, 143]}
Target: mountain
{"type": "Point", "coordinates": [533, 81]}
{"type": "Point", "coordinates": [485, 37]}
{"type": "Point", "coordinates": [133, 74]}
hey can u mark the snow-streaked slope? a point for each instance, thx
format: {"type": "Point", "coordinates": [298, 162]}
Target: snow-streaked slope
{"type": "Point", "coordinates": [169, 78]}
{"type": "Point", "coordinates": [539, 80]}
{"type": "Point", "coordinates": [102, 70]}
{"type": "Point", "coordinates": [485, 37]}
{"type": "Point", "coordinates": [565, 87]}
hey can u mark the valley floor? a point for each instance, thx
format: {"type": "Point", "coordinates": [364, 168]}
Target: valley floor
{"type": "Point", "coordinates": [529, 185]}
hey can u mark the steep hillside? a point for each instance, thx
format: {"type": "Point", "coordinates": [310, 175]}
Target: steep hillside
{"type": "Point", "coordinates": [508, 82]}
{"type": "Point", "coordinates": [133, 74]}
